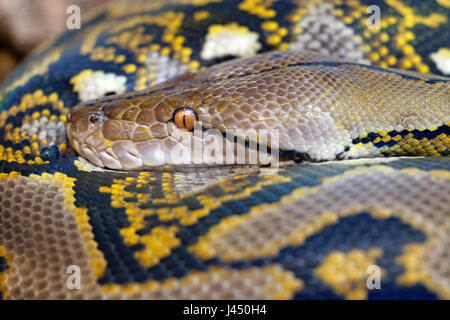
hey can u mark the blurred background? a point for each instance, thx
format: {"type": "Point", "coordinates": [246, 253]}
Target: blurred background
{"type": "Point", "coordinates": [24, 24]}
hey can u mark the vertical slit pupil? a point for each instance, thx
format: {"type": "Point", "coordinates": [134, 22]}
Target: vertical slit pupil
{"type": "Point", "coordinates": [184, 118]}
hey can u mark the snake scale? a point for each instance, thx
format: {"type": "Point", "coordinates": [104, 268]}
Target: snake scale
{"type": "Point", "coordinates": [94, 207]}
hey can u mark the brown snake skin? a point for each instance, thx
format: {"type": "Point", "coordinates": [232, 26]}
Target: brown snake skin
{"type": "Point", "coordinates": [318, 107]}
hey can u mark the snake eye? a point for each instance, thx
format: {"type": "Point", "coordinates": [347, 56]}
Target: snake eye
{"type": "Point", "coordinates": [185, 118]}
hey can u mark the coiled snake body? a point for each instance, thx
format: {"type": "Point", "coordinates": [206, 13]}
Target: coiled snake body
{"type": "Point", "coordinates": [318, 226]}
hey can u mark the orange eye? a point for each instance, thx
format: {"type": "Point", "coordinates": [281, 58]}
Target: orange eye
{"type": "Point", "coordinates": [185, 118]}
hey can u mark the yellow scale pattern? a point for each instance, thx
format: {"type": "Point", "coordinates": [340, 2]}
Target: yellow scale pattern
{"type": "Point", "coordinates": [16, 135]}
{"type": "Point", "coordinates": [346, 273]}
{"type": "Point", "coordinates": [159, 243]}
{"type": "Point", "coordinates": [36, 270]}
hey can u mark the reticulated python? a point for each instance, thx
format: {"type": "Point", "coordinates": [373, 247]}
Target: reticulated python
{"type": "Point", "coordinates": [308, 229]}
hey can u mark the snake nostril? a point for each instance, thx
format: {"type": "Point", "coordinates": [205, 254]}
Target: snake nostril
{"type": "Point", "coordinates": [93, 119]}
